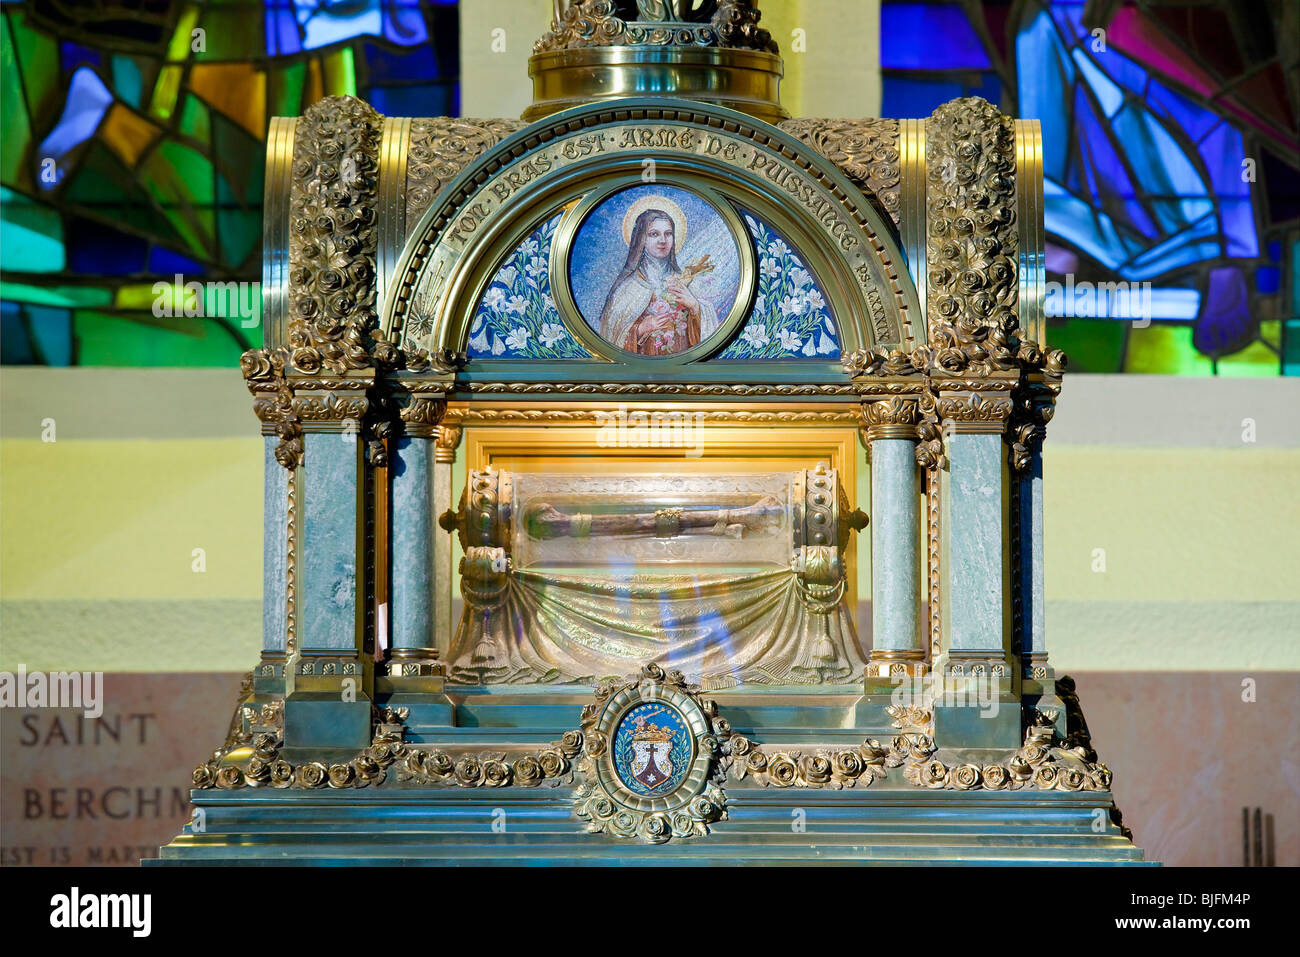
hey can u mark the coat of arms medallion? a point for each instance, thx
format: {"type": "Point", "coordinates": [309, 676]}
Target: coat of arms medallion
{"type": "Point", "coordinates": [651, 763]}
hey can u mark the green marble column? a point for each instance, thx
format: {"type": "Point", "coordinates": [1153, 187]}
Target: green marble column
{"type": "Point", "coordinates": [411, 545]}
{"type": "Point", "coordinates": [415, 677]}
{"type": "Point", "coordinates": [1038, 676]}
{"type": "Point", "coordinates": [977, 691]}
{"type": "Point", "coordinates": [895, 539]}
{"type": "Point", "coordinates": [330, 680]}
{"type": "Point", "coordinates": [269, 676]}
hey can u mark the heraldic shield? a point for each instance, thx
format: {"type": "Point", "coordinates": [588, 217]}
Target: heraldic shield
{"type": "Point", "coordinates": [652, 749]}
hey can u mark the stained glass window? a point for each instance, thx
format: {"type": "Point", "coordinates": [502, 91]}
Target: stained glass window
{"type": "Point", "coordinates": [1169, 143]}
{"type": "Point", "coordinates": [133, 148]}
{"type": "Point", "coordinates": [133, 137]}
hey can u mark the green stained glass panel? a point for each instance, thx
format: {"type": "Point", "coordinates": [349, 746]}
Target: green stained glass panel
{"type": "Point", "coordinates": [31, 234]}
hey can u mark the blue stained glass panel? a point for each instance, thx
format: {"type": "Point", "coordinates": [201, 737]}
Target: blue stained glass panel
{"type": "Point", "coordinates": [94, 248]}
{"type": "Point", "coordinates": [905, 97]}
{"type": "Point", "coordinates": [1239, 227]}
{"type": "Point", "coordinates": [1106, 90]}
{"type": "Point", "coordinates": [436, 100]}
{"type": "Point", "coordinates": [404, 23]}
{"type": "Point", "coordinates": [1222, 152]}
{"type": "Point", "coordinates": [73, 55]}
{"type": "Point", "coordinates": [1195, 120]}
{"type": "Point", "coordinates": [168, 262]}
{"type": "Point", "coordinates": [88, 101]}
{"type": "Point", "coordinates": [1268, 279]}
{"type": "Point", "coordinates": [927, 36]}
{"type": "Point", "coordinates": [1043, 91]}
{"type": "Point", "coordinates": [413, 66]}
{"type": "Point", "coordinates": [282, 36]}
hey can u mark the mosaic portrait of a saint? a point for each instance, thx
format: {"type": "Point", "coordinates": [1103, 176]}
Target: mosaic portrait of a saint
{"type": "Point", "coordinates": [655, 269]}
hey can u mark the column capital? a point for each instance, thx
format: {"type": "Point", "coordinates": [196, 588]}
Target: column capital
{"type": "Point", "coordinates": [420, 415]}
{"type": "Point", "coordinates": [448, 440]}
{"type": "Point", "coordinates": [894, 417]}
{"type": "Point", "coordinates": [1035, 404]}
{"type": "Point", "coordinates": [267, 406]}
{"type": "Point", "coordinates": [974, 406]}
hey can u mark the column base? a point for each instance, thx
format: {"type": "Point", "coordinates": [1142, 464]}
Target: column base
{"type": "Point", "coordinates": [420, 687]}
{"type": "Point", "coordinates": [992, 723]}
{"type": "Point", "coordinates": [324, 720]}
{"type": "Point", "coordinates": [268, 676]}
{"type": "Point", "coordinates": [885, 663]}
{"type": "Point", "coordinates": [977, 701]}
{"type": "Point", "coordinates": [1038, 688]}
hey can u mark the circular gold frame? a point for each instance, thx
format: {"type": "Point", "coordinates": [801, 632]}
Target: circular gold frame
{"type": "Point", "coordinates": [562, 246]}
{"type": "Point", "coordinates": [701, 761]}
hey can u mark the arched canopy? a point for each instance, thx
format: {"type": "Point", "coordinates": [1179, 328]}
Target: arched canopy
{"type": "Point", "coordinates": [558, 163]}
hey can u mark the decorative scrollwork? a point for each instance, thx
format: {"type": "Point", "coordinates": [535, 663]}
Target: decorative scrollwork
{"type": "Point", "coordinates": [413, 765]}
{"type": "Point", "coordinates": [866, 150]}
{"type": "Point", "coordinates": [589, 23]}
{"type": "Point", "coordinates": [332, 236]}
{"type": "Point", "coordinates": [439, 148]}
{"type": "Point", "coordinates": [266, 768]}
{"type": "Point", "coordinates": [1041, 763]}
{"type": "Point", "coordinates": [973, 408]}
{"type": "Point", "coordinates": [835, 768]}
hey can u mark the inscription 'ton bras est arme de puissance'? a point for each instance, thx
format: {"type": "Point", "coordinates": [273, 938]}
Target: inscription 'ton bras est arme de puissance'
{"type": "Point", "coordinates": [501, 188]}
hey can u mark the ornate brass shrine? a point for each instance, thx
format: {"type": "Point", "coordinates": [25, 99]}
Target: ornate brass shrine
{"type": "Point", "coordinates": [563, 485]}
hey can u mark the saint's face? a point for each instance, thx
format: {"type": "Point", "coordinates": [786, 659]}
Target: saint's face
{"type": "Point", "coordinates": [659, 238]}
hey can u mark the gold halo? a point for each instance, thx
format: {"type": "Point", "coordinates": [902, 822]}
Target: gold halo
{"type": "Point", "coordinates": [655, 201]}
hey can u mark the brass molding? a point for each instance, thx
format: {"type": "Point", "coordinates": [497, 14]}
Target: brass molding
{"type": "Point", "coordinates": [890, 663]}
{"type": "Point", "coordinates": [972, 244]}
{"type": "Point", "coordinates": [1032, 269]}
{"type": "Point", "coordinates": [332, 206]}
{"type": "Point", "coordinates": [291, 566]}
{"type": "Point", "coordinates": [439, 147]}
{"type": "Point", "coordinates": [748, 81]}
{"type": "Point", "coordinates": [974, 412]}
{"type": "Point", "coordinates": [911, 203]}
{"type": "Point", "coordinates": [420, 416]}
{"type": "Point", "coordinates": [892, 418]}
{"type": "Point", "coordinates": [471, 415]}
{"type": "Point", "coordinates": [930, 478]}
{"type": "Point", "coordinates": [390, 205]}
{"type": "Point", "coordinates": [597, 51]}
{"type": "Point", "coordinates": [586, 24]}
{"type": "Point", "coordinates": [657, 388]}
{"type": "Point", "coordinates": [275, 230]}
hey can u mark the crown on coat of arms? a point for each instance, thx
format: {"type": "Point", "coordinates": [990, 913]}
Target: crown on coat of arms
{"type": "Point", "coordinates": [652, 732]}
